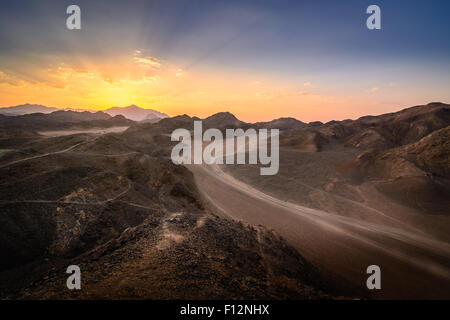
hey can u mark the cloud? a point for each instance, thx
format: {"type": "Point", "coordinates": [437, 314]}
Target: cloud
{"type": "Point", "coordinates": [374, 89]}
{"type": "Point", "coordinates": [179, 73]}
{"type": "Point", "coordinates": [133, 78]}
{"type": "Point", "coordinates": [307, 84]}
{"type": "Point", "coordinates": [9, 79]}
{"type": "Point", "coordinates": [146, 61]}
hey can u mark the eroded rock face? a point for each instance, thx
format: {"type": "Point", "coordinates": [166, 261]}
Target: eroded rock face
{"type": "Point", "coordinates": [185, 255]}
{"type": "Point", "coordinates": [134, 223]}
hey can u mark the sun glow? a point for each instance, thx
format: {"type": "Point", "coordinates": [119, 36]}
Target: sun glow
{"type": "Point", "coordinates": [154, 83]}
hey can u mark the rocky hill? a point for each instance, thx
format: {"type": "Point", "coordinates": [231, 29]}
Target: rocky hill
{"type": "Point", "coordinates": [134, 223]}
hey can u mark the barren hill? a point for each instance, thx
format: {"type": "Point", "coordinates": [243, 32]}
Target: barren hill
{"type": "Point", "coordinates": [135, 224]}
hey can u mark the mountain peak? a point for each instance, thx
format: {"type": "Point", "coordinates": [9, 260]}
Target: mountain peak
{"type": "Point", "coordinates": [221, 119]}
{"type": "Point", "coordinates": [284, 123]}
{"type": "Point", "coordinates": [26, 109]}
{"type": "Point", "coordinates": [131, 106]}
{"type": "Point", "coordinates": [136, 113]}
{"type": "Point", "coordinates": [223, 115]}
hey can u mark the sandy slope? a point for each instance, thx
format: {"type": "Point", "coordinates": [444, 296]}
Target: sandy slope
{"type": "Point", "coordinates": [413, 265]}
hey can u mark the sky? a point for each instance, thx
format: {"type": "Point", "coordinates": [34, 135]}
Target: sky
{"type": "Point", "coordinates": [260, 60]}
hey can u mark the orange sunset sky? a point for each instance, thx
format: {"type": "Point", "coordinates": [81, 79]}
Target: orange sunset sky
{"type": "Point", "coordinates": [257, 61]}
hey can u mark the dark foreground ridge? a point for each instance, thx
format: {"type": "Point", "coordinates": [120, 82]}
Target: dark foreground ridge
{"type": "Point", "coordinates": [134, 223]}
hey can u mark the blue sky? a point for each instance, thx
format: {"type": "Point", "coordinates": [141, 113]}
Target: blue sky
{"type": "Point", "coordinates": [323, 43]}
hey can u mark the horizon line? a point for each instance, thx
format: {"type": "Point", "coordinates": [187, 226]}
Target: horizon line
{"type": "Point", "coordinates": [75, 109]}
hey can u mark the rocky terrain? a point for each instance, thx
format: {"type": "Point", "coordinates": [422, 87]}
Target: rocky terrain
{"type": "Point", "coordinates": [141, 227]}
{"type": "Point", "coordinates": [390, 171]}
{"type": "Point", "coordinates": [409, 147]}
{"type": "Point", "coordinates": [135, 224]}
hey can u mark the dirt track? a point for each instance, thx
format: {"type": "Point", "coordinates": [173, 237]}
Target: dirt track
{"type": "Point", "coordinates": [412, 265]}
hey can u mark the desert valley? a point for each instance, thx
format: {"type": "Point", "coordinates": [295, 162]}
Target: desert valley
{"type": "Point", "coordinates": [99, 190]}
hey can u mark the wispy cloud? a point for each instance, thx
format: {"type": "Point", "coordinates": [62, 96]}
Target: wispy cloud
{"type": "Point", "coordinates": [9, 79]}
{"type": "Point", "coordinates": [146, 61]}
{"type": "Point", "coordinates": [179, 73]}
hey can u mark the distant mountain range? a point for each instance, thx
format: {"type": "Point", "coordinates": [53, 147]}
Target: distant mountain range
{"type": "Point", "coordinates": [61, 119]}
{"type": "Point", "coordinates": [136, 113]}
{"type": "Point", "coordinates": [26, 109]}
{"type": "Point", "coordinates": [132, 112]}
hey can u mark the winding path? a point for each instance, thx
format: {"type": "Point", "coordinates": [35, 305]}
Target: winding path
{"type": "Point", "coordinates": [413, 265]}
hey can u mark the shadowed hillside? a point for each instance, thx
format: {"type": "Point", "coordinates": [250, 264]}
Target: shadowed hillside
{"type": "Point", "coordinates": [141, 227]}
{"type": "Point", "coordinates": [134, 223]}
